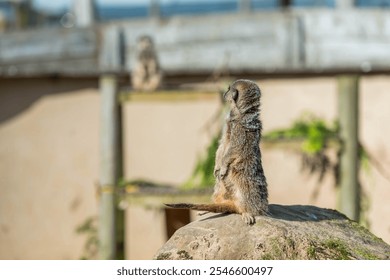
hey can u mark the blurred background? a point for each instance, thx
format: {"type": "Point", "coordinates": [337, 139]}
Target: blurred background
{"type": "Point", "coordinates": [108, 109]}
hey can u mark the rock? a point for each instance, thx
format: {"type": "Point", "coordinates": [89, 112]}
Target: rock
{"type": "Point", "coordinates": [289, 232]}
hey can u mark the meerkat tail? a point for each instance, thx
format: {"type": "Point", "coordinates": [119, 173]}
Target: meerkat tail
{"type": "Point", "coordinates": [213, 207]}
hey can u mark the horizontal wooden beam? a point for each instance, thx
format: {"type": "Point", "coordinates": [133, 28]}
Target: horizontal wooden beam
{"type": "Point", "coordinates": [149, 195]}
{"type": "Point", "coordinates": [289, 41]}
{"type": "Point", "coordinates": [49, 52]}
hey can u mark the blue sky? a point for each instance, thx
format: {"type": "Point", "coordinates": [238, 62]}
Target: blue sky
{"type": "Point", "coordinates": [61, 4]}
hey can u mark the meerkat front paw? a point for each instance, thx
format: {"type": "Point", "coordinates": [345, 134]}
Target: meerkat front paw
{"type": "Point", "coordinates": [216, 173]}
{"type": "Point", "coordinates": [248, 218]}
{"type": "Point", "coordinates": [223, 171]}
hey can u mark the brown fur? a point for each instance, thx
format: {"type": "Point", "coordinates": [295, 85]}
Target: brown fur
{"type": "Point", "coordinates": [241, 186]}
{"type": "Point", "coordinates": [227, 207]}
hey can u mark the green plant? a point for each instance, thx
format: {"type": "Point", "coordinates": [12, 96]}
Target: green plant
{"type": "Point", "coordinates": [316, 136]}
{"type": "Point", "coordinates": [89, 229]}
{"type": "Point", "coordinates": [314, 132]}
{"type": "Point", "coordinates": [203, 174]}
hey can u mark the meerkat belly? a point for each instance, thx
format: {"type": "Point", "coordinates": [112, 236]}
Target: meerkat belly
{"type": "Point", "coordinates": [244, 165]}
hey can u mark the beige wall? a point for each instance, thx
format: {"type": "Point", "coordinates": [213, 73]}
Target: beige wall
{"type": "Point", "coordinates": [48, 167]}
{"type": "Point", "coordinates": [49, 157]}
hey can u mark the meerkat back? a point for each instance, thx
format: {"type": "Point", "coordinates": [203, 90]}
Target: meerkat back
{"type": "Point", "coordinates": [241, 168]}
{"type": "Point", "coordinates": [241, 185]}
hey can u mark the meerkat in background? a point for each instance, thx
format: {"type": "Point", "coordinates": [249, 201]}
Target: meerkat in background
{"type": "Point", "coordinates": [147, 74]}
{"type": "Point", "coordinates": [241, 185]}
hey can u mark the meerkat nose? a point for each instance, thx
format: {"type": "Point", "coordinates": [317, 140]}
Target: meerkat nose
{"type": "Point", "coordinates": [224, 95]}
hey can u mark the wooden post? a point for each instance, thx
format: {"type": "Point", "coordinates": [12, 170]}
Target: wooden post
{"type": "Point", "coordinates": [111, 60]}
{"type": "Point", "coordinates": [22, 14]}
{"type": "Point", "coordinates": [345, 4]}
{"type": "Point", "coordinates": [154, 9]}
{"type": "Point", "coordinates": [110, 163]}
{"type": "Point", "coordinates": [349, 193]}
{"type": "Point", "coordinates": [244, 6]}
{"type": "Point", "coordinates": [285, 3]}
{"type": "Point", "coordinates": [84, 12]}
{"type": "Point", "coordinates": [120, 213]}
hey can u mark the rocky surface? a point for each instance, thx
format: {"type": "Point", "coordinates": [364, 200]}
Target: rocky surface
{"type": "Point", "coordinates": [289, 232]}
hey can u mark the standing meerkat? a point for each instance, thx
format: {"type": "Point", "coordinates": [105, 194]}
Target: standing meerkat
{"type": "Point", "coordinates": [241, 186]}
{"type": "Point", "coordinates": [147, 73]}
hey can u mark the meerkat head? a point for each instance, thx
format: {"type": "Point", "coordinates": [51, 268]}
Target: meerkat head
{"type": "Point", "coordinates": [244, 96]}
{"type": "Point", "coordinates": [144, 42]}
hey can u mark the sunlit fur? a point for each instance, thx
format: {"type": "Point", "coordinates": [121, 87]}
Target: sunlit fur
{"type": "Point", "coordinates": [241, 186]}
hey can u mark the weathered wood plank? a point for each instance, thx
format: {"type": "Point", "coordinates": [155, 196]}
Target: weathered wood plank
{"type": "Point", "coordinates": [48, 51]}
{"type": "Point", "coordinates": [356, 40]}
{"type": "Point", "coordinates": [289, 41]}
{"type": "Point", "coordinates": [255, 42]}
